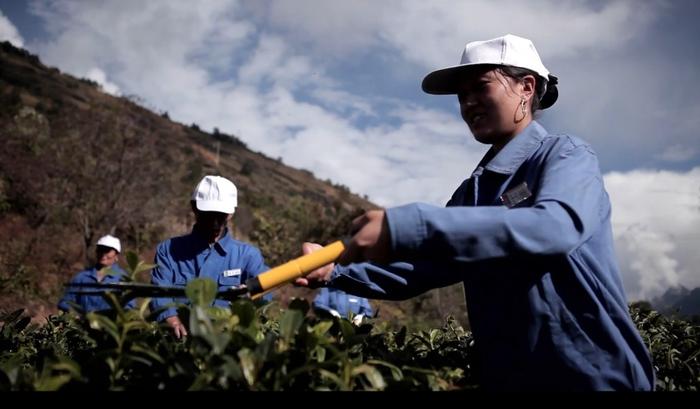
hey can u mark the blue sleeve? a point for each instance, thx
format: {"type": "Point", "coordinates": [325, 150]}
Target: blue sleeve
{"type": "Point", "coordinates": [255, 266]}
{"type": "Point", "coordinates": [69, 297]}
{"type": "Point", "coordinates": [131, 304]}
{"type": "Point", "coordinates": [366, 308]}
{"type": "Point", "coordinates": [162, 275]}
{"type": "Point", "coordinates": [396, 281]}
{"type": "Point", "coordinates": [568, 208]}
{"type": "Point", "coordinates": [321, 301]}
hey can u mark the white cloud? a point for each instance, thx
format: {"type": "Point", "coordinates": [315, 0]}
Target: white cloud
{"type": "Point", "coordinates": [331, 28]}
{"type": "Point", "coordinates": [656, 223]}
{"type": "Point", "coordinates": [432, 33]}
{"type": "Point", "coordinates": [422, 159]}
{"type": "Point", "coordinates": [160, 48]}
{"type": "Point", "coordinates": [8, 32]}
{"type": "Point", "coordinates": [590, 46]}
{"type": "Point", "coordinates": [100, 77]}
{"type": "Point", "coordinates": [279, 101]}
{"type": "Point", "coordinates": [273, 63]}
{"type": "Point", "coordinates": [339, 100]}
{"type": "Point", "coordinates": [218, 67]}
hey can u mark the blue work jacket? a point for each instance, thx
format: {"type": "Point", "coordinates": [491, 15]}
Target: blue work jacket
{"type": "Point", "coordinates": [181, 259]}
{"type": "Point", "coordinates": [529, 235]}
{"type": "Point", "coordinates": [90, 302]}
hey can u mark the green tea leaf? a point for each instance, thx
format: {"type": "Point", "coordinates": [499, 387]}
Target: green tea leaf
{"type": "Point", "coordinates": [201, 291]}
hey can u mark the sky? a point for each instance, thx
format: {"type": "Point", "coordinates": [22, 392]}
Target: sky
{"type": "Point", "coordinates": [334, 87]}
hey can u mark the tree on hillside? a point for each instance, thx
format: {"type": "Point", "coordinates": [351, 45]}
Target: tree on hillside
{"type": "Point", "coordinates": [96, 173]}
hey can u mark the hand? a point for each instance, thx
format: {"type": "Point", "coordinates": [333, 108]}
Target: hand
{"type": "Point", "coordinates": [320, 276]}
{"type": "Point", "coordinates": [177, 326]}
{"type": "Point", "coordinates": [370, 241]}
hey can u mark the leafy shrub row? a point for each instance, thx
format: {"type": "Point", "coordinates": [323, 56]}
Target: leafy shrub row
{"type": "Point", "coordinates": [253, 347]}
{"type": "Point", "coordinates": [246, 347]}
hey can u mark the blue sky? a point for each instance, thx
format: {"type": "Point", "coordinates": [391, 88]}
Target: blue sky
{"type": "Point", "coordinates": [334, 87]}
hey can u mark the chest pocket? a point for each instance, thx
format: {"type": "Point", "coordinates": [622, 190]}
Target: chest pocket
{"type": "Point", "coordinates": [229, 278]}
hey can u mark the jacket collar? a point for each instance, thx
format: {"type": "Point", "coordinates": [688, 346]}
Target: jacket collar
{"type": "Point", "coordinates": [224, 242]}
{"type": "Point", "coordinates": [220, 245]}
{"type": "Point", "coordinates": [511, 156]}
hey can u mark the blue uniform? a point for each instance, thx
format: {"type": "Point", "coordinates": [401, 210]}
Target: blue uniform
{"type": "Point", "coordinates": [88, 302]}
{"type": "Point", "coordinates": [334, 300]}
{"type": "Point", "coordinates": [181, 259]}
{"type": "Point", "coordinates": [529, 234]}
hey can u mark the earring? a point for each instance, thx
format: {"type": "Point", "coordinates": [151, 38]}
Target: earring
{"type": "Point", "coordinates": [522, 110]}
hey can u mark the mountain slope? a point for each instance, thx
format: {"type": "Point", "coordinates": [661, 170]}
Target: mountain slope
{"type": "Point", "coordinates": [679, 301]}
{"type": "Point", "coordinates": [77, 163]}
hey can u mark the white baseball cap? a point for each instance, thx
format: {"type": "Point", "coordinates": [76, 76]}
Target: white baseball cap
{"type": "Point", "coordinates": [111, 242]}
{"type": "Point", "coordinates": [216, 194]}
{"type": "Point", "coordinates": [509, 50]}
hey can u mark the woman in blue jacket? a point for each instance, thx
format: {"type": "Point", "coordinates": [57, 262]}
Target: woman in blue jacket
{"type": "Point", "coordinates": [528, 233]}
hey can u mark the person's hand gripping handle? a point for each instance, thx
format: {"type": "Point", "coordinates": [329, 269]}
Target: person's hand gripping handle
{"type": "Point", "coordinates": [294, 269]}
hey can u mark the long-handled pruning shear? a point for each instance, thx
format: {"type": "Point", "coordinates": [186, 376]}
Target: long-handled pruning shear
{"type": "Point", "coordinates": [254, 287]}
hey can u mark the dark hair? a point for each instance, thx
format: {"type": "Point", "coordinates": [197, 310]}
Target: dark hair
{"type": "Point", "coordinates": [518, 74]}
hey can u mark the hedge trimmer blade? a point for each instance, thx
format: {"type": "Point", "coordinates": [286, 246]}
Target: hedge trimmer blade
{"type": "Point", "coordinates": [233, 293]}
{"type": "Point", "coordinates": [135, 290]}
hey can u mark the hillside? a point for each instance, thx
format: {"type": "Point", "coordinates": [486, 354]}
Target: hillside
{"type": "Point", "coordinates": [679, 301]}
{"type": "Point", "coordinates": [77, 163]}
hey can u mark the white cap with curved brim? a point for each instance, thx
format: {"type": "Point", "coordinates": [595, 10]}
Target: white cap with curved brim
{"type": "Point", "coordinates": [111, 242]}
{"type": "Point", "coordinates": [509, 50]}
{"type": "Point", "coordinates": [215, 194]}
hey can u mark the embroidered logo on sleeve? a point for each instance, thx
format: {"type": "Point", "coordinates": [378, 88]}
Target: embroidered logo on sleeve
{"type": "Point", "coordinates": [232, 273]}
{"type": "Point", "coordinates": [516, 195]}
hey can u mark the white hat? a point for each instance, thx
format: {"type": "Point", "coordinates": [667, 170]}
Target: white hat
{"type": "Point", "coordinates": [508, 50]}
{"type": "Point", "coordinates": [216, 194]}
{"type": "Point", "coordinates": [110, 241]}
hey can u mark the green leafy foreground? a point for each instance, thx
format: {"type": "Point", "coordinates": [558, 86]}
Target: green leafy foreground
{"type": "Point", "coordinates": [265, 347]}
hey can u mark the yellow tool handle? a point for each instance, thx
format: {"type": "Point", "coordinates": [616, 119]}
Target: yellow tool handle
{"type": "Point", "coordinates": [291, 270]}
